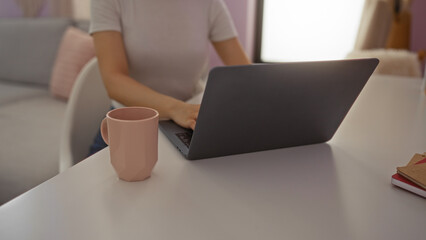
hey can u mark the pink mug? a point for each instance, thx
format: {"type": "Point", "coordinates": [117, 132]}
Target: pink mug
{"type": "Point", "coordinates": [132, 136]}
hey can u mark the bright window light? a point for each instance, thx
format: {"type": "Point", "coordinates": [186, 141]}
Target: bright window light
{"type": "Point", "coordinates": [309, 30]}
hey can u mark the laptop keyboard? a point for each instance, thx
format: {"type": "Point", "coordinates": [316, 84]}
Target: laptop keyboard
{"type": "Point", "coordinates": [185, 137]}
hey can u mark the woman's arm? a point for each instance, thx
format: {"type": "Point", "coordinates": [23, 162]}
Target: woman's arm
{"type": "Point", "coordinates": [231, 52]}
{"type": "Point", "coordinates": [121, 87]}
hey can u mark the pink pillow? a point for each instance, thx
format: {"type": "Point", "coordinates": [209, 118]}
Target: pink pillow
{"type": "Point", "coordinates": [75, 50]}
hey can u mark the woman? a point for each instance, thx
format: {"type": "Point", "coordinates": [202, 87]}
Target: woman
{"type": "Point", "coordinates": [153, 53]}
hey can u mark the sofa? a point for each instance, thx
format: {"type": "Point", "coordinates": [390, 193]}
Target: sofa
{"type": "Point", "coordinates": [30, 117]}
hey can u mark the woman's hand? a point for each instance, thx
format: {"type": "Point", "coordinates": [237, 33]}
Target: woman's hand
{"type": "Point", "coordinates": [185, 114]}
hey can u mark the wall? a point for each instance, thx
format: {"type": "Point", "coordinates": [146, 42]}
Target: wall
{"type": "Point", "coordinates": [418, 25]}
{"type": "Point", "coordinates": [418, 28]}
{"type": "Point", "coordinates": [243, 14]}
{"type": "Point", "coordinates": [8, 8]}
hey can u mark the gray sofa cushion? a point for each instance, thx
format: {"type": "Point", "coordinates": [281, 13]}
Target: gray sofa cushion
{"type": "Point", "coordinates": [11, 92]}
{"type": "Point", "coordinates": [30, 138]}
{"type": "Point", "coordinates": [28, 48]}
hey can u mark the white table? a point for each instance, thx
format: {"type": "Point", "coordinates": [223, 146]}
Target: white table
{"type": "Point", "coordinates": [338, 190]}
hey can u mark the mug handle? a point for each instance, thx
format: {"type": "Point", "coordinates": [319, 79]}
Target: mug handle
{"type": "Point", "coordinates": [104, 130]}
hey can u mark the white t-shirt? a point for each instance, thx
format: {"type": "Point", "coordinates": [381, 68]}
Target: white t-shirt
{"type": "Point", "coordinates": [166, 41]}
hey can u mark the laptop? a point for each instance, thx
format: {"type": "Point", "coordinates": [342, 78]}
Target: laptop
{"type": "Point", "coordinates": [268, 106]}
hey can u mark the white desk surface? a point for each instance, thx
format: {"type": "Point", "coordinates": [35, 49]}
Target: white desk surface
{"type": "Point", "coordinates": [338, 190]}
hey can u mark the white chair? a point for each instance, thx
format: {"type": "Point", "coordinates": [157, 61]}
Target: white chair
{"type": "Point", "coordinates": [424, 80]}
{"type": "Point", "coordinates": [87, 106]}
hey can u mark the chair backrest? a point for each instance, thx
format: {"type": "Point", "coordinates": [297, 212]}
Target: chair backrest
{"type": "Point", "coordinates": [424, 79]}
{"type": "Point", "coordinates": [87, 106]}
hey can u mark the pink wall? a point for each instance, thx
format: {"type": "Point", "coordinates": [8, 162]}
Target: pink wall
{"type": "Point", "coordinates": [418, 27]}
{"type": "Point", "coordinates": [9, 9]}
{"type": "Point", "coordinates": [242, 13]}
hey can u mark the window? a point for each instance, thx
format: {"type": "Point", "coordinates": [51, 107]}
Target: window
{"type": "Point", "coordinates": [306, 30]}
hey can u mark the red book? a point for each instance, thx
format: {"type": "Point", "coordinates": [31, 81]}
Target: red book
{"type": "Point", "coordinates": [406, 184]}
{"type": "Point", "coordinates": [416, 173]}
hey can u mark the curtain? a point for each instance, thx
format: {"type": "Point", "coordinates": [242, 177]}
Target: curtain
{"type": "Point", "coordinates": [57, 8]}
{"type": "Point", "coordinates": [61, 8]}
{"type": "Point", "coordinates": [378, 24]}
{"type": "Point", "coordinates": [31, 8]}
{"type": "Point", "coordinates": [399, 35]}
{"type": "Point", "coordinates": [375, 24]}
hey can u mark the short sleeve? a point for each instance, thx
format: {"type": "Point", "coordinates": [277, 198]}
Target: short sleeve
{"type": "Point", "coordinates": [105, 16]}
{"type": "Point", "coordinates": [221, 26]}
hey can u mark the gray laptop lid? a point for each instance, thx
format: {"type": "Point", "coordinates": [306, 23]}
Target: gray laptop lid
{"type": "Point", "coordinates": [267, 106]}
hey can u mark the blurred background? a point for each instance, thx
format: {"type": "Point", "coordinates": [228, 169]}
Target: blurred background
{"type": "Point", "coordinates": [44, 45]}
{"type": "Point", "coordinates": [289, 30]}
